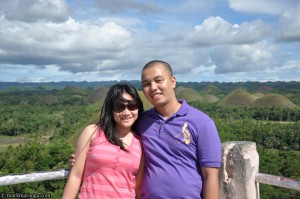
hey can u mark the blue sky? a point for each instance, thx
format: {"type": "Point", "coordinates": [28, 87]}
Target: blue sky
{"type": "Point", "coordinates": [96, 40]}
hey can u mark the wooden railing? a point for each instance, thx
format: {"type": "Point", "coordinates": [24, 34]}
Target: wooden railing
{"type": "Point", "coordinates": [238, 174]}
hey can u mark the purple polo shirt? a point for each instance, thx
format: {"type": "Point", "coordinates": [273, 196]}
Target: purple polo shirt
{"type": "Point", "coordinates": [175, 149]}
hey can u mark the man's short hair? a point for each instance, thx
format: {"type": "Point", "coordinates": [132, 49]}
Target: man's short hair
{"type": "Point", "coordinates": [154, 62]}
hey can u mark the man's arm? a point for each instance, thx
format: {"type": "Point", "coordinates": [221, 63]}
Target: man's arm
{"type": "Point", "coordinates": [72, 160]}
{"type": "Point", "coordinates": [139, 178]}
{"type": "Point", "coordinates": [210, 182]}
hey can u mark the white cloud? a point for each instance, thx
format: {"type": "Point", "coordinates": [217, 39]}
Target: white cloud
{"type": "Point", "coordinates": [272, 7]}
{"type": "Point", "coordinates": [216, 31]}
{"type": "Point", "coordinates": [290, 24]}
{"type": "Point", "coordinates": [243, 58]}
{"type": "Point", "coordinates": [35, 10]}
{"type": "Point", "coordinates": [74, 46]}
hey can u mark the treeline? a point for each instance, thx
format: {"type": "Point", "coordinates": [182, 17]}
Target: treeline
{"type": "Point", "coordinates": [38, 120]}
{"type": "Point", "coordinates": [48, 125]}
{"type": "Point", "coordinates": [249, 112]}
{"type": "Point", "coordinates": [281, 86]}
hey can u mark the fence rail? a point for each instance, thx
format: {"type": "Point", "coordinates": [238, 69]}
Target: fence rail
{"type": "Point", "coordinates": [278, 181]}
{"type": "Point", "coordinates": [64, 173]}
{"type": "Point", "coordinates": [34, 177]}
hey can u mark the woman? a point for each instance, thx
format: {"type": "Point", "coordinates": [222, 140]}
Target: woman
{"type": "Point", "coordinates": [109, 161]}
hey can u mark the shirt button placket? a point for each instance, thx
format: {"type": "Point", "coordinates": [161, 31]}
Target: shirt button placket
{"type": "Point", "coordinates": [162, 127]}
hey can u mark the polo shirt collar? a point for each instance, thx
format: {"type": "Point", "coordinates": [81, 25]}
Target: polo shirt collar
{"type": "Point", "coordinates": [183, 110]}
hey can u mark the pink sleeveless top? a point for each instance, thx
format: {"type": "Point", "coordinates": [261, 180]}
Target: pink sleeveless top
{"type": "Point", "coordinates": [109, 171]}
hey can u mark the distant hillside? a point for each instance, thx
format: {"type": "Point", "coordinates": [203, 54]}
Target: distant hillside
{"type": "Point", "coordinates": [189, 94]}
{"type": "Point", "coordinates": [258, 95]}
{"type": "Point", "coordinates": [98, 94]}
{"type": "Point", "coordinates": [210, 99]}
{"type": "Point", "coordinates": [198, 86]}
{"type": "Point", "coordinates": [242, 97]}
{"type": "Point", "coordinates": [211, 90]}
{"type": "Point", "coordinates": [265, 89]}
{"type": "Point", "coordinates": [238, 97]}
{"type": "Point", "coordinates": [179, 89]}
{"type": "Point", "coordinates": [73, 89]}
{"type": "Point", "coordinates": [146, 103]}
{"type": "Point", "coordinates": [63, 84]}
{"type": "Point", "coordinates": [196, 90]}
{"type": "Point", "coordinates": [274, 100]}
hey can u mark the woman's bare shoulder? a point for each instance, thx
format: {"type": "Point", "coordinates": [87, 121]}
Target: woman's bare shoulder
{"type": "Point", "coordinates": [91, 127]}
{"type": "Point", "coordinates": [89, 130]}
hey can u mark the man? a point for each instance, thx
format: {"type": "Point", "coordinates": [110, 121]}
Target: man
{"type": "Point", "coordinates": [181, 144]}
{"type": "Point", "coordinates": [182, 148]}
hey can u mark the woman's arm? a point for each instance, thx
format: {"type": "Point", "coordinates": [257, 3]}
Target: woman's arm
{"type": "Point", "coordinates": [83, 144]}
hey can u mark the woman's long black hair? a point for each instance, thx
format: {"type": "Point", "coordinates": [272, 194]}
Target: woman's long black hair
{"type": "Point", "coordinates": [107, 122]}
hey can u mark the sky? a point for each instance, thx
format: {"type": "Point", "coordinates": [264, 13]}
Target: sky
{"type": "Point", "coordinates": [102, 40]}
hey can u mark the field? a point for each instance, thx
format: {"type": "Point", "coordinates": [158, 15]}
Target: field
{"type": "Point", "coordinates": [6, 141]}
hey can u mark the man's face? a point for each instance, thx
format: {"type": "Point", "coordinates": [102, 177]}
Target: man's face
{"type": "Point", "coordinates": [158, 85]}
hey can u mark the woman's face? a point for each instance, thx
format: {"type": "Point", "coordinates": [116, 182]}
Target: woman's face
{"type": "Point", "coordinates": [125, 113]}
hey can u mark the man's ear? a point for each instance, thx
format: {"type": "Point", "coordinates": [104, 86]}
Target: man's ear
{"type": "Point", "coordinates": [173, 81]}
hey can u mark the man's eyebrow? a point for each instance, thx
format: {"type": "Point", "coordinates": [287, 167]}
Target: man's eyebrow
{"type": "Point", "coordinates": [156, 77]}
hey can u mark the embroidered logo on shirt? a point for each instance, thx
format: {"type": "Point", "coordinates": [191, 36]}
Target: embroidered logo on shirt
{"type": "Point", "coordinates": [185, 133]}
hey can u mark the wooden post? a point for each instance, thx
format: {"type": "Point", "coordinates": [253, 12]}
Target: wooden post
{"type": "Point", "coordinates": [239, 167]}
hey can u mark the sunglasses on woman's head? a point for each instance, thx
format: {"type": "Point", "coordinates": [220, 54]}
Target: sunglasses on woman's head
{"type": "Point", "coordinates": [131, 105]}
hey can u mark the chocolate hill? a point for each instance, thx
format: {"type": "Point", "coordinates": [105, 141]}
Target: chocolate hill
{"type": "Point", "coordinates": [238, 97]}
{"type": "Point", "coordinates": [274, 100]}
{"type": "Point", "coordinates": [189, 94]}
{"type": "Point", "coordinates": [98, 94]}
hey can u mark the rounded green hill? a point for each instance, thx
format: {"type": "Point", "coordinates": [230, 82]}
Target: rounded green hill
{"type": "Point", "coordinates": [97, 95]}
{"type": "Point", "coordinates": [211, 90]}
{"type": "Point", "coordinates": [210, 99]}
{"type": "Point", "coordinates": [189, 94]}
{"type": "Point", "coordinates": [274, 100]}
{"type": "Point", "coordinates": [238, 97]}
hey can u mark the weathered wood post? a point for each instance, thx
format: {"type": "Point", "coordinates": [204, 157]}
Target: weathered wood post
{"type": "Point", "coordinates": [239, 167]}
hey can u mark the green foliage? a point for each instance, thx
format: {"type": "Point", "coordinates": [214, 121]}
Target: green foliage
{"type": "Point", "coordinates": [280, 163]}
{"type": "Point", "coordinates": [33, 157]}
{"type": "Point", "coordinates": [270, 135]}
{"type": "Point", "coordinates": [53, 120]}
{"type": "Point", "coordinates": [45, 129]}
{"type": "Point", "coordinates": [45, 123]}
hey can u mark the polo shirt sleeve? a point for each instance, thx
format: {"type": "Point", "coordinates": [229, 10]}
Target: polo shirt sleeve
{"type": "Point", "coordinates": [209, 145]}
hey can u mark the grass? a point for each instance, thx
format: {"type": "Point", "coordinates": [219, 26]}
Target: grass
{"type": "Point", "coordinates": [6, 141]}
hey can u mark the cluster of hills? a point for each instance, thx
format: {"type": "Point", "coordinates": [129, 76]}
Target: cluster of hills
{"type": "Point", "coordinates": [237, 97]}
{"type": "Point", "coordinates": [270, 94]}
